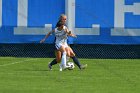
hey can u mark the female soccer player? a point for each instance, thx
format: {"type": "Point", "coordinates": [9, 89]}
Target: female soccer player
{"type": "Point", "coordinates": [61, 33]}
{"type": "Point", "coordinates": [70, 52]}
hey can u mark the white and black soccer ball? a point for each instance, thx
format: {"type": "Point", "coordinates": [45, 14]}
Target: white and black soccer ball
{"type": "Point", "coordinates": [71, 65]}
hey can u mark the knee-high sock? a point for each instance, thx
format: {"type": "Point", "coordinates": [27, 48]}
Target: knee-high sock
{"type": "Point", "coordinates": [63, 59]}
{"type": "Point", "coordinates": [76, 61]}
{"type": "Point", "coordinates": [53, 62]}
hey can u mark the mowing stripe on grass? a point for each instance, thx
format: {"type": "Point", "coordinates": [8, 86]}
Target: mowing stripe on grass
{"type": "Point", "coordinates": [17, 62]}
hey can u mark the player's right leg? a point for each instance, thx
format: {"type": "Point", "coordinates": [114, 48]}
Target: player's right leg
{"type": "Point", "coordinates": [63, 59]}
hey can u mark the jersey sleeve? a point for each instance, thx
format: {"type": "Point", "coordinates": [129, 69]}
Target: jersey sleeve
{"type": "Point", "coordinates": [66, 29]}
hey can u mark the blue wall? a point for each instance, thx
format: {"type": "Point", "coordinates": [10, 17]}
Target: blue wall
{"type": "Point", "coordinates": [88, 12]}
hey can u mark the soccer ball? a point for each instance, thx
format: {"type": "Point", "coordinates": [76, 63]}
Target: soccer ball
{"type": "Point", "coordinates": [71, 64]}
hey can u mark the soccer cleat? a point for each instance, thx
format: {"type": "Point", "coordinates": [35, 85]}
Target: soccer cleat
{"type": "Point", "coordinates": [63, 67]}
{"type": "Point", "coordinates": [60, 67]}
{"type": "Point", "coordinates": [49, 66]}
{"type": "Point", "coordinates": [83, 66]}
{"type": "Point", "coordinates": [66, 67]}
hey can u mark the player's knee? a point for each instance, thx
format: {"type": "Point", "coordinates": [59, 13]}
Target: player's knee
{"type": "Point", "coordinates": [72, 54]}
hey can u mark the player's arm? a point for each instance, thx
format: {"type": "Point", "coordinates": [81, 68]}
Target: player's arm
{"type": "Point", "coordinates": [47, 35]}
{"type": "Point", "coordinates": [72, 35]}
{"type": "Point", "coordinates": [69, 33]}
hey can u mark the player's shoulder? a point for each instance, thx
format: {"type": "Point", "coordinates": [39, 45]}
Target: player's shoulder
{"type": "Point", "coordinates": [65, 27]}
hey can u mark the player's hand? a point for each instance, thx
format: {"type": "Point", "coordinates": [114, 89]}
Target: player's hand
{"type": "Point", "coordinates": [75, 36]}
{"type": "Point", "coordinates": [42, 41]}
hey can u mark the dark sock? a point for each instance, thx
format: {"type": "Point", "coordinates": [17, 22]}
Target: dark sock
{"type": "Point", "coordinates": [53, 62]}
{"type": "Point", "coordinates": [76, 61]}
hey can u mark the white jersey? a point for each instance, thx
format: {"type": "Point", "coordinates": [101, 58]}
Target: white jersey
{"type": "Point", "coordinates": [61, 36]}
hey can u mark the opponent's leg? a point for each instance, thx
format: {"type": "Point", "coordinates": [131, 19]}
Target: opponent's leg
{"type": "Point", "coordinates": [56, 60]}
{"type": "Point", "coordinates": [75, 60]}
{"type": "Point", "coordinates": [52, 63]}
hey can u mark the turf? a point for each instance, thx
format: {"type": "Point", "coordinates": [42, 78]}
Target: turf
{"type": "Point", "coordinates": [31, 75]}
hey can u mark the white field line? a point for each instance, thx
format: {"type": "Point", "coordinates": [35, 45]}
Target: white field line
{"type": "Point", "coordinates": [17, 62]}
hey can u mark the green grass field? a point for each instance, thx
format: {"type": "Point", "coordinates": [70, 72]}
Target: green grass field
{"type": "Point", "coordinates": [31, 75]}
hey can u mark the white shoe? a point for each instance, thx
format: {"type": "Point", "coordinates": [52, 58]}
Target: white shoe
{"type": "Point", "coordinates": [65, 67]}
{"type": "Point", "coordinates": [61, 68]}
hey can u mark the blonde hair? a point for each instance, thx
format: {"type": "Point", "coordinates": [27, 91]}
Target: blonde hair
{"type": "Point", "coordinates": [61, 16]}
